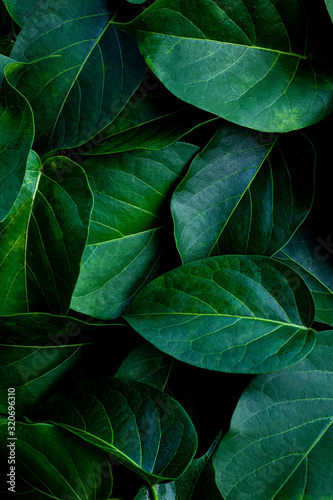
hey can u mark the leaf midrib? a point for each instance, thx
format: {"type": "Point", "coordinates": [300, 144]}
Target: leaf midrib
{"type": "Point", "coordinates": [254, 47]}
{"type": "Point", "coordinates": [254, 318]}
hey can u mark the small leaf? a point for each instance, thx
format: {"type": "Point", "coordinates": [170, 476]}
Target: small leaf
{"type": "Point", "coordinates": [66, 49]}
{"type": "Point", "coordinates": [147, 365]}
{"type": "Point", "coordinates": [37, 352]}
{"type": "Point", "coordinates": [309, 256]}
{"type": "Point", "coordinates": [53, 463]}
{"type": "Point", "coordinates": [43, 238]}
{"type": "Point", "coordinates": [244, 193]}
{"type": "Point", "coordinates": [16, 137]}
{"type": "Point", "coordinates": [141, 427]}
{"type": "Point", "coordinates": [127, 232]}
{"type": "Point", "coordinates": [280, 441]}
{"type": "Point", "coordinates": [239, 314]}
{"type": "Point", "coordinates": [248, 62]}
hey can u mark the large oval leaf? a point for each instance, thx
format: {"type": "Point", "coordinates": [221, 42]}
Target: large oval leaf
{"type": "Point", "coordinates": [53, 463]}
{"type": "Point", "coordinates": [309, 255]}
{"type": "Point", "coordinates": [86, 53]}
{"type": "Point", "coordinates": [16, 137]}
{"type": "Point", "coordinates": [281, 442]}
{"type": "Point", "coordinates": [249, 62]}
{"type": "Point", "coordinates": [243, 314]}
{"type": "Point", "coordinates": [127, 231]}
{"type": "Point", "coordinates": [43, 238]}
{"type": "Point", "coordinates": [142, 427]}
{"type": "Point", "coordinates": [244, 193]}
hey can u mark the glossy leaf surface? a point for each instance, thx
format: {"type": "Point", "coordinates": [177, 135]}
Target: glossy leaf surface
{"type": "Point", "coordinates": [281, 434]}
{"type": "Point", "coordinates": [248, 62]}
{"type": "Point", "coordinates": [69, 47]}
{"type": "Point", "coordinates": [126, 235]}
{"type": "Point", "coordinates": [43, 238]}
{"type": "Point", "coordinates": [37, 352]}
{"type": "Point", "coordinates": [240, 314]}
{"type": "Point", "coordinates": [244, 193]}
{"type": "Point", "coordinates": [142, 427]}
{"type": "Point", "coordinates": [309, 255]}
{"type": "Point", "coordinates": [16, 137]}
{"type": "Point", "coordinates": [56, 464]}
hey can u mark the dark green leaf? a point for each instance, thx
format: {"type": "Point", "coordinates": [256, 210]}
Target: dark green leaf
{"type": "Point", "coordinates": [16, 137]}
{"type": "Point", "coordinates": [280, 443]}
{"type": "Point", "coordinates": [54, 463]}
{"type": "Point", "coordinates": [148, 121]}
{"type": "Point", "coordinates": [79, 70]}
{"type": "Point", "coordinates": [147, 365]}
{"type": "Point", "coordinates": [249, 62]}
{"type": "Point", "coordinates": [142, 427]}
{"type": "Point", "coordinates": [197, 483]}
{"type": "Point", "coordinates": [43, 238]}
{"type": "Point", "coordinates": [127, 234]}
{"type": "Point", "coordinates": [37, 352]}
{"type": "Point", "coordinates": [20, 11]}
{"type": "Point", "coordinates": [310, 257]}
{"type": "Point", "coordinates": [244, 193]}
{"type": "Point", "coordinates": [243, 314]}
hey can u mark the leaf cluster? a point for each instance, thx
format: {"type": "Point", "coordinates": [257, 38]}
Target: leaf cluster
{"type": "Point", "coordinates": [166, 282]}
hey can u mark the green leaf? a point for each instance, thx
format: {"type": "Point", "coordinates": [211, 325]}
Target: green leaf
{"type": "Point", "coordinates": [127, 229]}
{"type": "Point", "coordinates": [20, 11]}
{"type": "Point", "coordinates": [239, 314]}
{"type": "Point", "coordinates": [16, 137]}
{"type": "Point", "coordinates": [309, 256]}
{"type": "Point", "coordinates": [329, 5]}
{"type": "Point", "coordinates": [43, 238]}
{"type": "Point", "coordinates": [249, 62]}
{"type": "Point", "coordinates": [37, 352]}
{"type": "Point", "coordinates": [244, 193]}
{"type": "Point", "coordinates": [53, 463]}
{"type": "Point", "coordinates": [280, 442]}
{"type": "Point", "coordinates": [151, 121]}
{"type": "Point", "coordinates": [141, 427]}
{"type": "Point", "coordinates": [78, 71]}
{"type": "Point", "coordinates": [147, 365]}
{"type": "Point", "coordinates": [197, 482]}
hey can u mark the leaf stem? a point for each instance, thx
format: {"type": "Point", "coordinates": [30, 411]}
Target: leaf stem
{"type": "Point", "coordinates": [154, 492]}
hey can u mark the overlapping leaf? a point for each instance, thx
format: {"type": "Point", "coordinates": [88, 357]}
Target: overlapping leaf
{"type": "Point", "coordinates": [240, 314]}
{"type": "Point", "coordinates": [53, 463]}
{"type": "Point", "coordinates": [244, 193]}
{"type": "Point", "coordinates": [248, 62]}
{"type": "Point", "coordinates": [310, 256]}
{"type": "Point", "coordinates": [69, 49]}
{"type": "Point", "coordinates": [140, 426]}
{"type": "Point", "coordinates": [127, 228]}
{"type": "Point", "coordinates": [280, 443]}
{"type": "Point", "coordinates": [43, 238]}
{"type": "Point", "coordinates": [16, 137]}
